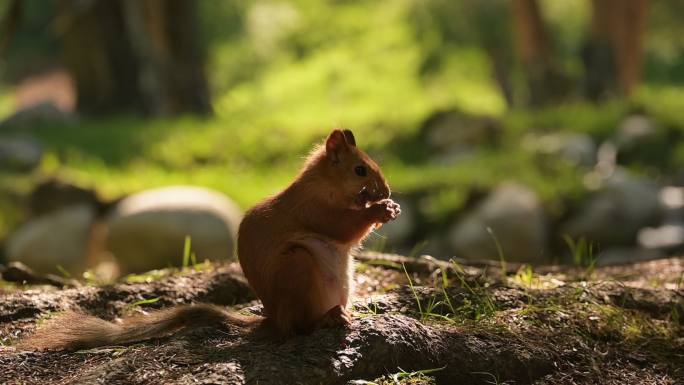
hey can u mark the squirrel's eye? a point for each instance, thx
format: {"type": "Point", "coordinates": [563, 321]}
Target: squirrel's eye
{"type": "Point", "coordinates": [360, 170]}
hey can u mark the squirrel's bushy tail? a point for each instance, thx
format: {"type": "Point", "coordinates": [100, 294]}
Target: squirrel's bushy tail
{"type": "Point", "coordinates": [73, 331]}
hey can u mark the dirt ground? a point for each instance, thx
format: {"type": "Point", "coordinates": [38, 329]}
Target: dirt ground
{"type": "Point", "coordinates": [449, 324]}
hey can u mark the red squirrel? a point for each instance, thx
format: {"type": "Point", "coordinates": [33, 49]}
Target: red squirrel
{"type": "Point", "coordinates": [294, 249]}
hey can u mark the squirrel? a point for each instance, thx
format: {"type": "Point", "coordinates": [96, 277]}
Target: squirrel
{"type": "Point", "coordinates": [294, 248]}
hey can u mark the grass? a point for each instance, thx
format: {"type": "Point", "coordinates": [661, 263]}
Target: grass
{"type": "Point", "coordinates": [189, 258]}
{"type": "Point", "coordinates": [147, 277]}
{"type": "Point", "coordinates": [63, 271]}
{"type": "Point", "coordinates": [499, 251]}
{"type": "Point", "coordinates": [600, 323]}
{"type": "Point", "coordinates": [582, 252]}
{"type": "Point", "coordinates": [481, 304]}
{"type": "Point", "coordinates": [144, 302]}
{"type": "Point", "coordinates": [491, 378]}
{"type": "Point", "coordinates": [525, 276]}
{"type": "Point", "coordinates": [155, 275]}
{"type": "Point", "coordinates": [571, 320]}
{"type": "Point", "coordinates": [6, 102]}
{"type": "Point", "coordinates": [477, 305]}
{"type": "Point", "coordinates": [415, 295]}
{"type": "Point", "coordinates": [591, 318]}
{"type": "Point", "coordinates": [267, 119]}
{"type": "Point", "coordinates": [249, 156]}
{"type": "Point", "coordinates": [403, 377]}
{"type": "Point", "coordinates": [275, 99]}
{"type": "Point", "coordinates": [369, 309]}
{"type": "Point", "coordinates": [577, 320]}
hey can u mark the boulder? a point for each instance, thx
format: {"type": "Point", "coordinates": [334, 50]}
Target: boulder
{"type": "Point", "coordinates": [41, 113]}
{"type": "Point", "coordinates": [452, 134]}
{"type": "Point", "coordinates": [60, 238]}
{"type": "Point", "coordinates": [623, 255]}
{"type": "Point", "coordinates": [147, 230]}
{"type": "Point", "coordinates": [634, 129]}
{"type": "Point", "coordinates": [517, 219]}
{"type": "Point", "coordinates": [20, 153]}
{"type": "Point", "coordinates": [669, 235]}
{"type": "Point", "coordinates": [615, 213]}
{"type": "Point", "coordinates": [53, 194]}
{"type": "Point", "coordinates": [640, 141]}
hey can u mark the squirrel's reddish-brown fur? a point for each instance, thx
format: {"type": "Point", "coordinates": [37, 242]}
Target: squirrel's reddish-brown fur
{"type": "Point", "coordinates": [293, 248]}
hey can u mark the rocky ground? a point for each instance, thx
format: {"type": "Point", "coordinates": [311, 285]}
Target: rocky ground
{"type": "Point", "coordinates": [450, 323]}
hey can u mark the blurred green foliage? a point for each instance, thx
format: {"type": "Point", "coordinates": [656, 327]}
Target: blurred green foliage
{"type": "Point", "coordinates": [283, 73]}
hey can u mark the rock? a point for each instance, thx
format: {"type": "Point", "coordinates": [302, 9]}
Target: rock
{"type": "Point", "coordinates": [147, 230]}
{"type": "Point", "coordinates": [57, 239]}
{"type": "Point", "coordinates": [640, 141]}
{"type": "Point", "coordinates": [577, 149]}
{"type": "Point", "coordinates": [53, 194]}
{"type": "Point", "coordinates": [41, 113]}
{"type": "Point", "coordinates": [516, 217]}
{"type": "Point", "coordinates": [20, 154]}
{"type": "Point", "coordinates": [452, 133]}
{"type": "Point", "coordinates": [634, 129]}
{"type": "Point", "coordinates": [22, 274]}
{"type": "Point", "coordinates": [623, 255]}
{"type": "Point", "coordinates": [669, 235]}
{"type": "Point", "coordinates": [616, 212]}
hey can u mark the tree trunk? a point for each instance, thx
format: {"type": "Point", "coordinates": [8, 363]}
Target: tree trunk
{"type": "Point", "coordinates": [613, 53]}
{"type": "Point", "coordinates": [501, 74]}
{"type": "Point", "coordinates": [171, 35]}
{"type": "Point", "coordinates": [545, 82]}
{"type": "Point", "coordinates": [185, 72]}
{"type": "Point", "coordinates": [9, 23]}
{"type": "Point", "coordinates": [133, 55]}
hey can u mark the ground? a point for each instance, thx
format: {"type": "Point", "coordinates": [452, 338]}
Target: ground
{"type": "Point", "coordinates": [417, 321]}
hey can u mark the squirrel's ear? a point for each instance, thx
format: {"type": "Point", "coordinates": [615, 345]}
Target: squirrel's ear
{"type": "Point", "coordinates": [349, 137]}
{"type": "Point", "coordinates": [335, 144]}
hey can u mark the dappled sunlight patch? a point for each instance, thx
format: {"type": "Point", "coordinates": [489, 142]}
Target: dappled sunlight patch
{"type": "Point", "coordinates": [526, 278]}
{"type": "Point", "coordinates": [156, 275]}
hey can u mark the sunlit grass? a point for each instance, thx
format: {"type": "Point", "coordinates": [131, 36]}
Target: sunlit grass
{"type": "Point", "coordinates": [366, 77]}
{"type": "Point", "coordinates": [664, 102]}
{"type": "Point", "coordinates": [352, 64]}
{"type": "Point", "coordinates": [248, 161]}
{"type": "Point", "coordinates": [6, 102]}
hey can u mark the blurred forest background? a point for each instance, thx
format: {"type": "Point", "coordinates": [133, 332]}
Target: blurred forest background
{"type": "Point", "coordinates": [538, 130]}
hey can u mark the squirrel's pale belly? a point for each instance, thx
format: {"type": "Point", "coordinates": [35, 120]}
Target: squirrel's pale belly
{"type": "Point", "coordinates": [337, 267]}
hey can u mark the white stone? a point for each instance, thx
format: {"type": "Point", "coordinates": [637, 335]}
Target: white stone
{"type": "Point", "coordinates": [21, 154]}
{"type": "Point", "coordinates": [147, 230]}
{"type": "Point", "coordinates": [57, 239]}
{"type": "Point", "coordinates": [516, 218]}
{"type": "Point", "coordinates": [617, 211]}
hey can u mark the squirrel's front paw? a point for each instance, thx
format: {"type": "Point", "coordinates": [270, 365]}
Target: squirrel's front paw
{"type": "Point", "coordinates": [387, 210]}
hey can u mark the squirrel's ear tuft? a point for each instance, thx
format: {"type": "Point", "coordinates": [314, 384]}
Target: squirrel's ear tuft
{"type": "Point", "coordinates": [349, 137]}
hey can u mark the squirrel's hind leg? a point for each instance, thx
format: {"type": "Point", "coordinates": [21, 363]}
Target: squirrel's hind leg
{"type": "Point", "coordinates": [300, 293]}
